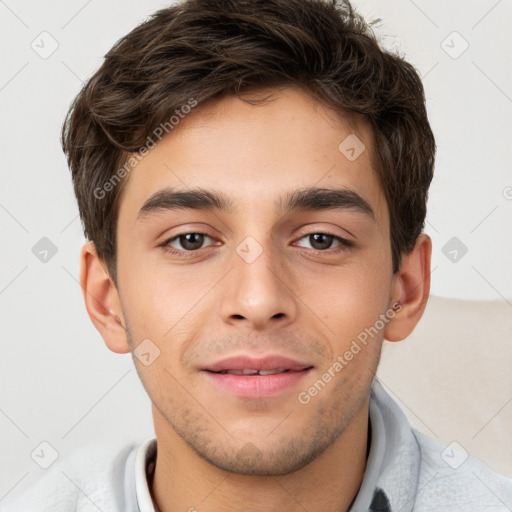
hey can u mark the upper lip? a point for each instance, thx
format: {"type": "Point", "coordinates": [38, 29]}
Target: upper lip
{"type": "Point", "coordinates": [269, 362]}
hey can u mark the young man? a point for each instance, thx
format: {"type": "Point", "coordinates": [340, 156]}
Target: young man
{"type": "Point", "coordinates": [252, 177]}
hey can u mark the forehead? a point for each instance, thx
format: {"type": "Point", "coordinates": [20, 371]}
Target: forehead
{"type": "Point", "coordinates": [258, 154]}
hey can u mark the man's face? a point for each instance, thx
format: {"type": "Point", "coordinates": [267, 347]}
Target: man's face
{"type": "Point", "coordinates": [256, 280]}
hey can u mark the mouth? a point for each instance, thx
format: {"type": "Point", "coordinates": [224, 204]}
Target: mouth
{"type": "Point", "coordinates": [249, 377]}
{"type": "Point", "coordinates": [249, 365]}
{"type": "Point", "coordinates": [253, 372]}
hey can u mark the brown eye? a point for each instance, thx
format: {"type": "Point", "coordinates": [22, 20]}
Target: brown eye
{"type": "Point", "coordinates": [324, 241]}
{"type": "Point", "coordinates": [187, 241]}
{"type": "Point", "coordinates": [191, 241]}
{"type": "Point", "coordinates": [321, 241]}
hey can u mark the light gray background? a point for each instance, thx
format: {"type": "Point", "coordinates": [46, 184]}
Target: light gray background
{"type": "Point", "coordinates": [58, 381]}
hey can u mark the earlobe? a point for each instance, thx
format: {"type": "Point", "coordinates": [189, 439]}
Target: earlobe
{"type": "Point", "coordinates": [411, 288]}
{"type": "Point", "coordinates": [102, 300]}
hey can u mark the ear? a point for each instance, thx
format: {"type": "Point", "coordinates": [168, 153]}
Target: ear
{"type": "Point", "coordinates": [411, 288]}
{"type": "Point", "coordinates": [102, 300]}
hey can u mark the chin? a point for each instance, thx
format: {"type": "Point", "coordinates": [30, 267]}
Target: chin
{"type": "Point", "coordinates": [283, 458]}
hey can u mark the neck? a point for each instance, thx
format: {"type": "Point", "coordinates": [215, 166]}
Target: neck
{"type": "Point", "coordinates": [185, 481]}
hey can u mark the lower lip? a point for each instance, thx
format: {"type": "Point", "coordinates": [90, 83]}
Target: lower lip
{"type": "Point", "coordinates": [257, 385]}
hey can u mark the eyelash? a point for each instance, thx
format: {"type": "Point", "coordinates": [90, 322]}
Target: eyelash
{"type": "Point", "coordinates": [344, 244]}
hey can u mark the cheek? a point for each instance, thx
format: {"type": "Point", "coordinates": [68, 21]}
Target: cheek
{"type": "Point", "coordinates": [159, 297]}
{"type": "Point", "coordinates": [168, 308]}
{"type": "Point", "coordinates": [347, 299]}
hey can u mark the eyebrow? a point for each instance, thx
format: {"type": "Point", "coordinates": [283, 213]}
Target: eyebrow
{"type": "Point", "coordinates": [317, 199]}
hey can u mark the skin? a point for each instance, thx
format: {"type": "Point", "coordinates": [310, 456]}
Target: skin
{"type": "Point", "coordinates": [216, 451]}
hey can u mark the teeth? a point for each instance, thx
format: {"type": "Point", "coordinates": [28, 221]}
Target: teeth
{"type": "Point", "coordinates": [254, 372]}
{"type": "Point", "coordinates": [271, 372]}
{"type": "Point", "coordinates": [240, 372]}
{"type": "Point", "coordinates": [249, 372]}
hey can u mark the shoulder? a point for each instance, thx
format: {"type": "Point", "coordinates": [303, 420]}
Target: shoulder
{"type": "Point", "coordinates": [450, 477]}
{"type": "Point", "coordinates": [94, 476]}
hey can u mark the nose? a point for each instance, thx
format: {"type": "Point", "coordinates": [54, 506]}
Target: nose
{"type": "Point", "coordinates": [258, 292]}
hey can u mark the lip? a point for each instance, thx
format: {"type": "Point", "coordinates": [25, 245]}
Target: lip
{"type": "Point", "coordinates": [269, 362]}
{"type": "Point", "coordinates": [257, 386]}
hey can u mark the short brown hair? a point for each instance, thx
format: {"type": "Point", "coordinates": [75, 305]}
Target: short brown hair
{"type": "Point", "coordinates": [207, 49]}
